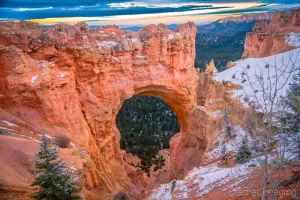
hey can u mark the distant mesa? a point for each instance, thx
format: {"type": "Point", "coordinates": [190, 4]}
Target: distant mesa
{"type": "Point", "coordinates": [281, 34]}
{"type": "Point", "coordinates": [233, 25]}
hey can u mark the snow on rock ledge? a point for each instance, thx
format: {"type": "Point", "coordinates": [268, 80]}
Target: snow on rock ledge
{"type": "Point", "coordinates": [293, 39]}
{"type": "Point", "coordinates": [247, 73]}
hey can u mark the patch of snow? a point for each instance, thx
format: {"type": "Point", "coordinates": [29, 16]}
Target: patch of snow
{"type": "Point", "coordinates": [43, 68]}
{"type": "Point", "coordinates": [8, 123]}
{"type": "Point", "coordinates": [46, 135]}
{"type": "Point", "coordinates": [6, 131]}
{"type": "Point", "coordinates": [163, 193]}
{"type": "Point", "coordinates": [231, 146]}
{"type": "Point", "coordinates": [72, 144]}
{"type": "Point", "coordinates": [210, 176]}
{"type": "Point", "coordinates": [216, 114]}
{"type": "Point", "coordinates": [293, 39]}
{"type": "Point", "coordinates": [205, 179]}
{"type": "Point", "coordinates": [73, 168]}
{"type": "Point", "coordinates": [113, 33]}
{"type": "Point", "coordinates": [170, 37]}
{"type": "Point", "coordinates": [115, 58]}
{"type": "Point", "coordinates": [256, 75]}
{"type": "Point", "coordinates": [85, 37]}
{"type": "Point", "coordinates": [33, 78]}
{"type": "Point", "coordinates": [63, 74]}
{"type": "Point", "coordinates": [134, 40]}
{"type": "Point", "coordinates": [140, 57]}
{"type": "Point", "coordinates": [18, 67]}
{"type": "Point", "coordinates": [107, 43]}
{"type": "Point", "coordinates": [101, 31]}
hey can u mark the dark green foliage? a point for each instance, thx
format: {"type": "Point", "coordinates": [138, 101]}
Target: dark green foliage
{"type": "Point", "coordinates": [146, 125]}
{"type": "Point", "coordinates": [173, 185]}
{"type": "Point", "coordinates": [122, 143]}
{"type": "Point", "coordinates": [227, 28]}
{"type": "Point", "coordinates": [243, 154]}
{"type": "Point", "coordinates": [228, 129]}
{"type": "Point", "coordinates": [121, 196]}
{"type": "Point", "coordinates": [293, 101]}
{"type": "Point", "coordinates": [291, 119]}
{"type": "Point", "coordinates": [224, 153]}
{"type": "Point", "coordinates": [222, 48]}
{"type": "Point", "coordinates": [159, 163]}
{"type": "Point", "coordinates": [53, 178]}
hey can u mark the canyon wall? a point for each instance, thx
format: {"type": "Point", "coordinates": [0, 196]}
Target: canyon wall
{"type": "Point", "coordinates": [270, 38]}
{"type": "Point", "coordinates": [247, 18]}
{"type": "Point", "coordinates": [73, 80]}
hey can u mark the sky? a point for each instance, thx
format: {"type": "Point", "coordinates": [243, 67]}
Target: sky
{"type": "Point", "coordinates": [131, 13]}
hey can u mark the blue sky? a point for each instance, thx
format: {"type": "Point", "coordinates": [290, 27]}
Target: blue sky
{"type": "Point", "coordinates": [133, 12]}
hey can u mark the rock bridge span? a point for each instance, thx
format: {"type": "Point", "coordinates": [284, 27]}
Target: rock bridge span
{"type": "Point", "coordinates": [73, 80]}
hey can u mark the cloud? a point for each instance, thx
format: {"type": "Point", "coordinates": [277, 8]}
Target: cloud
{"type": "Point", "coordinates": [114, 11]}
{"type": "Point", "coordinates": [30, 9]}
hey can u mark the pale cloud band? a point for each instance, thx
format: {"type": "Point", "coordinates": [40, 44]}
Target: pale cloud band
{"type": "Point", "coordinates": [136, 13]}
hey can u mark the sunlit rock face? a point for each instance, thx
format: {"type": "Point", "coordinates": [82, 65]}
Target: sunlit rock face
{"type": "Point", "coordinates": [272, 38]}
{"type": "Point", "coordinates": [72, 80]}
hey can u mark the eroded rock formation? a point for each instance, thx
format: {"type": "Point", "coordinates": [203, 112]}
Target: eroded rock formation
{"type": "Point", "coordinates": [72, 80]}
{"type": "Point", "coordinates": [270, 38]}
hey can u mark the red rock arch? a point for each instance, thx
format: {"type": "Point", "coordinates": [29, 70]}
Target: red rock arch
{"type": "Point", "coordinates": [72, 79]}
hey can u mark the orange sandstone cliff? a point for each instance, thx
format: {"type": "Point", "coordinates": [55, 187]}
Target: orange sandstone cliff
{"type": "Point", "coordinates": [270, 38]}
{"type": "Point", "coordinates": [73, 80]}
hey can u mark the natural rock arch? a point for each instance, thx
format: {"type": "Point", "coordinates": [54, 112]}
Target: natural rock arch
{"type": "Point", "coordinates": [73, 79]}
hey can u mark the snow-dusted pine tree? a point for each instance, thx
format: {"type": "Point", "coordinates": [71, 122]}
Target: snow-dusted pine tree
{"type": "Point", "coordinates": [53, 177]}
{"type": "Point", "coordinates": [243, 154]}
{"type": "Point", "coordinates": [291, 118]}
{"type": "Point", "coordinates": [227, 126]}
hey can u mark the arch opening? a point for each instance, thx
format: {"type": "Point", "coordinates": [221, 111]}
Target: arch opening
{"type": "Point", "coordinates": [146, 125]}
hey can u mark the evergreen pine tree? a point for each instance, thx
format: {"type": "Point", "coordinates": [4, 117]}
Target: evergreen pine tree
{"type": "Point", "coordinates": [53, 178]}
{"type": "Point", "coordinates": [122, 143]}
{"type": "Point", "coordinates": [224, 153]}
{"type": "Point", "coordinates": [173, 185]}
{"type": "Point", "coordinates": [227, 126]}
{"type": "Point", "coordinates": [292, 118]}
{"type": "Point", "coordinates": [243, 154]}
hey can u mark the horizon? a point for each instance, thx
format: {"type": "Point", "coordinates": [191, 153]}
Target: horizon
{"type": "Point", "coordinates": [134, 13]}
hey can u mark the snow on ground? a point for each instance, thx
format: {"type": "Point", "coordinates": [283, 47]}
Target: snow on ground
{"type": "Point", "coordinates": [256, 75]}
{"type": "Point", "coordinates": [293, 39]}
{"type": "Point", "coordinates": [63, 74]}
{"type": "Point", "coordinates": [33, 78]}
{"type": "Point", "coordinates": [202, 180]}
{"type": "Point", "coordinates": [231, 146]}
{"type": "Point", "coordinates": [7, 123]}
{"type": "Point", "coordinates": [216, 114]}
{"type": "Point", "coordinates": [107, 43]}
{"type": "Point", "coordinates": [170, 37]}
{"type": "Point", "coordinates": [7, 131]}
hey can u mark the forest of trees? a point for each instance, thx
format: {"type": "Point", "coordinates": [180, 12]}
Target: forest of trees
{"type": "Point", "coordinates": [146, 125]}
{"type": "Point", "coordinates": [222, 48]}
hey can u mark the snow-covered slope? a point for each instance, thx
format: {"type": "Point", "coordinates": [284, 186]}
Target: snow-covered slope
{"type": "Point", "coordinates": [202, 180]}
{"type": "Point", "coordinates": [255, 75]}
{"type": "Point", "coordinates": [293, 39]}
{"type": "Point", "coordinates": [262, 76]}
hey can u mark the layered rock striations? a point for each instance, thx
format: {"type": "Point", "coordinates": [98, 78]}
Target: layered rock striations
{"type": "Point", "coordinates": [247, 18]}
{"type": "Point", "coordinates": [72, 80]}
{"type": "Point", "coordinates": [271, 38]}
